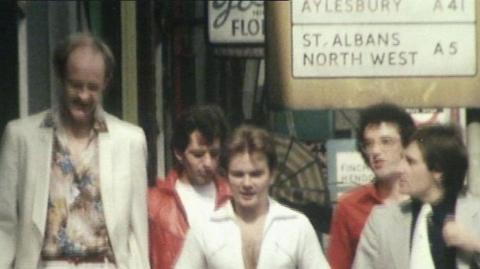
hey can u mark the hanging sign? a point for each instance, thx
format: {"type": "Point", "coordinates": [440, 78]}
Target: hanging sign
{"type": "Point", "coordinates": [236, 22]}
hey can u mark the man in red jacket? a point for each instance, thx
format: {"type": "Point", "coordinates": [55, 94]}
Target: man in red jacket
{"type": "Point", "coordinates": [383, 133]}
{"type": "Point", "coordinates": [193, 189]}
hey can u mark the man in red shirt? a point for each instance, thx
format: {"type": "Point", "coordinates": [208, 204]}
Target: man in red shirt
{"type": "Point", "coordinates": [193, 189]}
{"type": "Point", "coordinates": [383, 133]}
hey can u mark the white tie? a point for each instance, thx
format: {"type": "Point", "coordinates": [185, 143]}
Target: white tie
{"type": "Point", "coordinates": [421, 257]}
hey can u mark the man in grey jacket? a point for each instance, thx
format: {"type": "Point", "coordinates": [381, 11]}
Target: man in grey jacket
{"type": "Point", "coordinates": [439, 226]}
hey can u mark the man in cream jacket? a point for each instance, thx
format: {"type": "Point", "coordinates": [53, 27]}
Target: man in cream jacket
{"type": "Point", "coordinates": [73, 178]}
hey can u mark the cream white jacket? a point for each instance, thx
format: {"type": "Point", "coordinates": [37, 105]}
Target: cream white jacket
{"type": "Point", "coordinates": [289, 242]}
{"type": "Point", "coordinates": [25, 162]}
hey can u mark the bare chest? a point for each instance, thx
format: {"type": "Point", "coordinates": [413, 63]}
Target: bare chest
{"type": "Point", "coordinates": [252, 237]}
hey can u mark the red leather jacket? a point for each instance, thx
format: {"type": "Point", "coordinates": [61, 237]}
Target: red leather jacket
{"type": "Point", "coordinates": [168, 221]}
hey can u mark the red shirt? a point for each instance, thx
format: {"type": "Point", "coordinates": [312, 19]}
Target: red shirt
{"type": "Point", "coordinates": [168, 221]}
{"type": "Point", "coordinates": [347, 223]}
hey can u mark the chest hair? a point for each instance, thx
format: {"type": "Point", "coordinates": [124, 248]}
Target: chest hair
{"type": "Point", "coordinates": [252, 237]}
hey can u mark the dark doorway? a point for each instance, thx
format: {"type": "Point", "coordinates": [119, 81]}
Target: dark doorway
{"type": "Point", "coordinates": [9, 15]}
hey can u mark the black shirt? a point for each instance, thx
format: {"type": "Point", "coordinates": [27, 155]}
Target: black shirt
{"type": "Point", "coordinates": [443, 256]}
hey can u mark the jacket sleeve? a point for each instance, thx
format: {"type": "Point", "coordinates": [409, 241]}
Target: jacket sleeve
{"type": "Point", "coordinates": [368, 250]}
{"type": "Point", "coordinates": [9, 156]}
{"type": "Point", "coordinates": [311, 254]}
{"type": "Point", "coordinates": [340, 252]}
{"type": "Point", "coordinates": [192, 255]}
{"type": "Point", "coordinates": [138, 238]}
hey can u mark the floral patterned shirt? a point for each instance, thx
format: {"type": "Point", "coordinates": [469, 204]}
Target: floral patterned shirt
{"type": "Point", "coordinates": [75, 225]}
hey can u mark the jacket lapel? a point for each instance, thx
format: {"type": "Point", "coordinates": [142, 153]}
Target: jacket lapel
{"type": "Point", "coordinates": [43, 153]}
{"type": "Point", "coordinates": [400, 236]}
{"type": "Point", "coordinates": [106, 179]}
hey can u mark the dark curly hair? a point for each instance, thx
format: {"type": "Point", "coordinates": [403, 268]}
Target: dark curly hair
{"type": "Point", "coordinates": [209, 120]}
{"type": "Point", "coordinates": [385, 112]}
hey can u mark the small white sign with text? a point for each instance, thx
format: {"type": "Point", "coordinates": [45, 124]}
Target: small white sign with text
{"type": "Point", "coordinates": [352, 170]}
{"type": "Point", "coordinates": [236, 21]}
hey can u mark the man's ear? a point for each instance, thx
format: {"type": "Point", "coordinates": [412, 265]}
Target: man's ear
{"type": "Point", "coordinates": [273, 176]}
{"type": "Point", "coordinates": [437, 176]}
{"type": "Point", "coordinates": [178, 155]}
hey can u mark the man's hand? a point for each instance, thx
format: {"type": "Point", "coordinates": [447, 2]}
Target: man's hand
{"type": "Point", "coordinates": [457, 235]}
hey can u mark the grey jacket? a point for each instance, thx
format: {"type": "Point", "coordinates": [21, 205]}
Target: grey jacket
{"type": "Point", "coordinates": [385, 239]}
